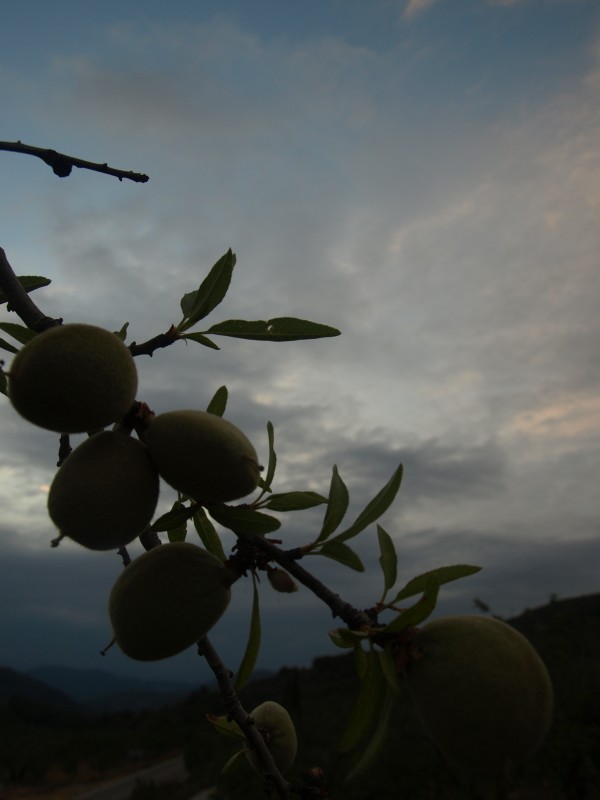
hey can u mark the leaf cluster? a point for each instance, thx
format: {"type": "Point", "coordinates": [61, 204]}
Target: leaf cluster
{"type": "Point", "coordinates": [197, 305]}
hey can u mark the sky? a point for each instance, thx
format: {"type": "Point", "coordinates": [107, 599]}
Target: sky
{"type": "Point", "coordinates": [423, 175]}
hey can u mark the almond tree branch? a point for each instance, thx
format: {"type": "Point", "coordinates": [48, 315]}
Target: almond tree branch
{"type": "Point", "coordinates": [35, 319]}
{"type": "Point", "coordinates": [353, 617]}
{"type": "Point", "coordinates": [231, 702]}
{"type": "Point", "coordinates": [236, 712]}
{"type": "Point", "coordinates": [62, 164]}
{"type": "Point", "coordinates": [22, 304]}
{"type": "Point", "coordinates": [161, 340]}
{"type": "Point", "coordinates": [20, 301]}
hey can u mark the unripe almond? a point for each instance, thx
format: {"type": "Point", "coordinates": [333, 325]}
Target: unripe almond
{"type": "Point", "coordinates": [482, 692]}
{"type": "Point", "coordinates": [105, 493]}
{"type": "Point", "coordinates": [73, 378]}
{"type": "Point", "coordinates": [205, 457]}
{"type": "Point", "coordinates": [167, 599]}
{"type": "Point", "coordinates": [277, 729]}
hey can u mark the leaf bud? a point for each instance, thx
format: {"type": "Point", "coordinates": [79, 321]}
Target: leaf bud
{"type": "Point", "coordinates": [281, 581]}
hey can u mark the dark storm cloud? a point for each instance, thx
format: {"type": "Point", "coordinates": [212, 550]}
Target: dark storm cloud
{"type": "Point", "coordinates": [520, 567]}
{"type": "Point", "coordinates": [431, 469]}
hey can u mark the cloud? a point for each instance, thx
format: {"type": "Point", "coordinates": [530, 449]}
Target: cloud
{"type": "Point", "coordinates": [415, 7]}
{"type": "Point", "coordinates": [451, 234]}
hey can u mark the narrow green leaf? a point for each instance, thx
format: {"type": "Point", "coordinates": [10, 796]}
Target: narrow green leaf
{"type": "Point", "coordinates": [418, 612]}
{"type": "Point", "coordinates": [345, 638]}
{"type": "Point", "coordinates": [225, 726]}
{"type": "Point", "coordinates": [243, 520]}
{"type": "Point", "coordinates": [337, 505]}
{"type": "Point", "coordinates": [375, 509]}
{"type": "Point", "coordinates": [187, 303]}
{"type": "Point", "coordinates": [253, 646]}
{"type": "Point", "coordinates": [231, 762]}
{"type": "Point", "coordinates": [294, 501]}
{"type": "Point", "coordinates": [18, 332]}
{"type": "Point", "coordinates": [177, 516]}
{"type": "Point", "coordinates": [211, 292]}
{"type": "Point", "coordinates": [201, 339]}
{"type": "Point", "coordinates": [122, 334]}
{"type": "Point", "coordinates": [6, 346]}
{"type": "Point", "coordinates": [388, 667]}
{"type": "Point", "coordinates": [440, 575]}
{"type": "Point", "coordinates": [387, 559]}
{"type": "Point", "coordinates": [29, 283]}
{"type": "Point", "coordinates": [379, 738]}
{"type": "Point", "coordinates": [208, 534]}
{"type": "Point", "coordinates": [272, 465]}
{"type": "Point", "coordinates": [366, 708]}
{"type": "Point", "coordinates": [361, 660]}
{"type": "Point", "coordinates": [178, 530]}
{"type": "Point", "coordinates": [218, 404]}
{"type": "Point", "coordinates": [339, 551]}
{"type": "Point", "coordinates": [278, 329]}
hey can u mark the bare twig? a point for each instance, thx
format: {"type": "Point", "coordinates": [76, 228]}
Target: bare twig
{"type": "Point", "coordinates": [236, 712]}
{"type": "Point", "coordinates": [62, 164]}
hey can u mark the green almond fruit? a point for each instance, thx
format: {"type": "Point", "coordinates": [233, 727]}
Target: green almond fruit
{"type": "Point", "coordinates": [277, 729]}
{"type": "Point", "coordinates": [105, 493]}
{"type": "Point", "coordinates": [205, 457]}
{"type": "Point", "coordinates": [482, 692]}
{"type": "Point", "coordinates": [167, 599]}
{"type": "Point", "coordinates": [73, 378]}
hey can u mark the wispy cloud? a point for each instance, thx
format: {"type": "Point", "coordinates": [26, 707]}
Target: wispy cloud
{"type": "Point", "coordinates": [506, 2]}
{"type": "Point", "coordinates": [415, 7]}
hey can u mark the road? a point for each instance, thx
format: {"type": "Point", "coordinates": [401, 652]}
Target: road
{"type": "Point", "coordinates": [170, 771]}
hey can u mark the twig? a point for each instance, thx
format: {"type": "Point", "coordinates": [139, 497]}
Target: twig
{"type": "Point", "coordinates": [62, 164]}
{"type": "Point", "coordinates": [236, 712]}
{"type": "Point", "coordinates": [353, 617]}
{"type": "Point", "coordinates": [161, 340]}
{"type": "Point", "coordinates": [35, 319]}
{"type": "Point", "coordinates": [21, 302]}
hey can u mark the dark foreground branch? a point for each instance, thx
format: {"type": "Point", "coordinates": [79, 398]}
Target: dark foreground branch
{"type": "Point", "coordinates": [20, 301]}
{"type": "Point", "coordinates": [353, 617]}
{"type": "Point", "coordinates": [236, 712]}
{"type": "Point", "coordinates": [62, 164]}
{"type": "Point", "coordinates": [148, 348]}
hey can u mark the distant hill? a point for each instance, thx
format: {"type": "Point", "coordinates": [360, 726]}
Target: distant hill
{"type": "Point", "coordinates": [93, 690]}
{"type": "Point", "coordinates": [14, 683]}
{"type": "Point", "coordinates": [570, 626]}
{"type": "Point", "coordinates": [566, 633]}
{"type": "Point", "coordinates": [106, 691]}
